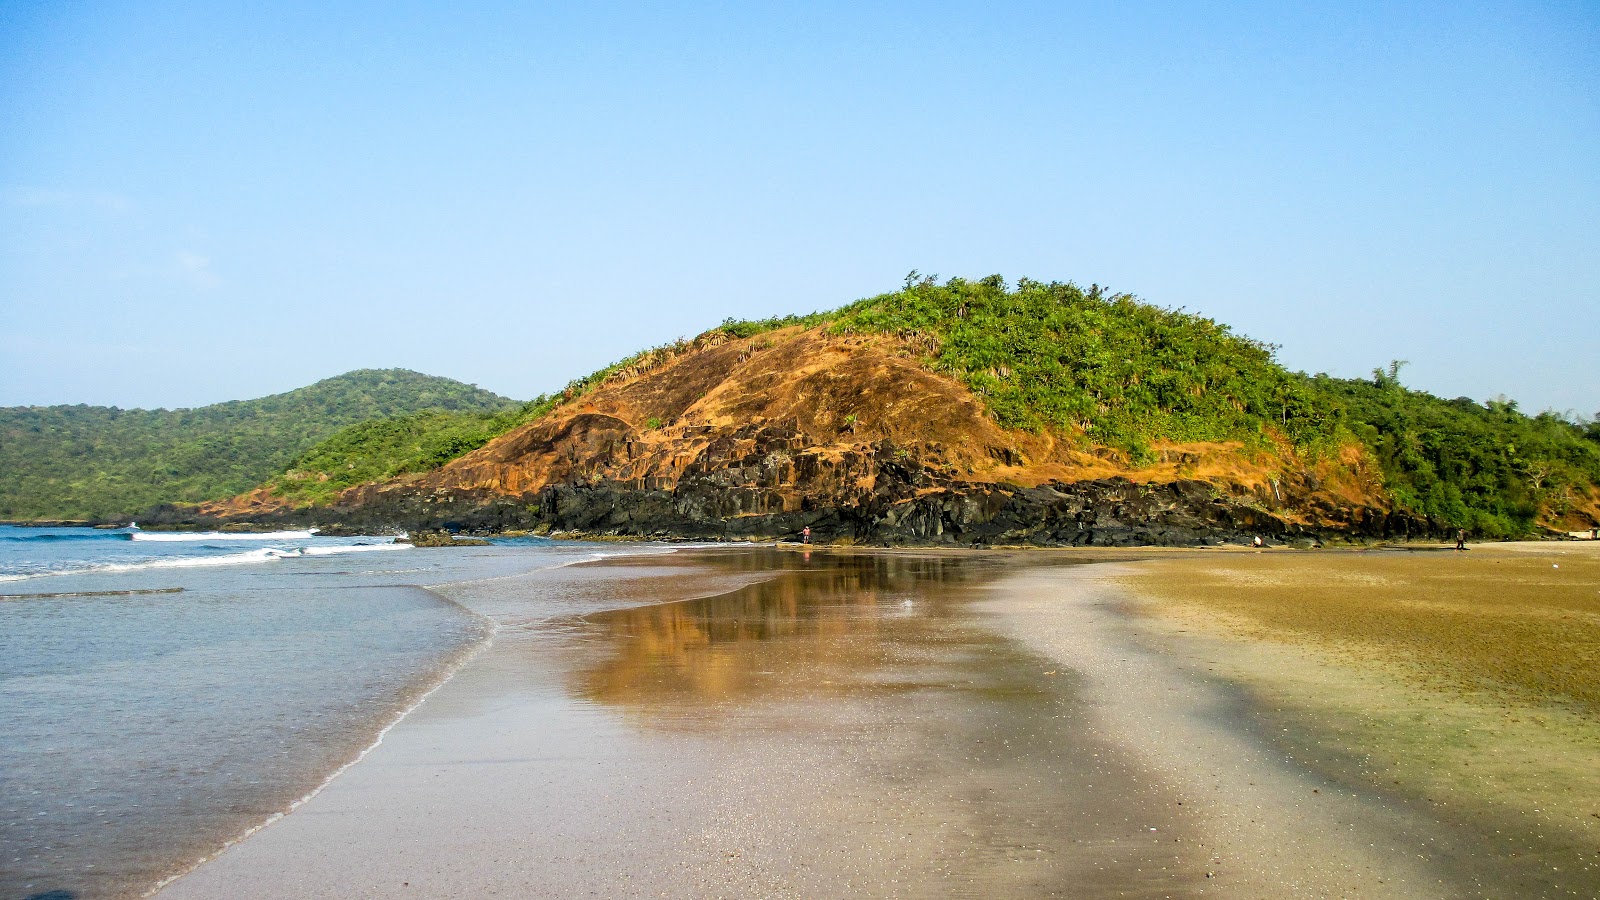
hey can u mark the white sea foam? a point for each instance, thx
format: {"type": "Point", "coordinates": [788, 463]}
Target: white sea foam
{"type": "Point", "coordinates": [264, 554]}
{"type": "Point", "coordinates": [353, 548]}
{"type": "Point", "coordinates": [245, 557]}
{"type": "Point", "coordinates": [210, 536]}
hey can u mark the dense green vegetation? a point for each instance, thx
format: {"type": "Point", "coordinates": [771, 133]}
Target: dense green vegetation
{"type": "Point", "coordinates": [77, 462]}
{"type": "Point", "coordinates": [1127, 374]}
{"type": "Point", "coordinates": [1484, 467]}
{"type": "Point", "coordinates": [1117, 372]}
{"type": "Point", "coordinates": [1123, 372]}
{"type": "Point", "coordinates": [384, 448]}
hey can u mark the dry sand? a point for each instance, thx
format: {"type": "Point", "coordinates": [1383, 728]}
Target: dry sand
{"type": "Point", "coordinates": [891, 724]}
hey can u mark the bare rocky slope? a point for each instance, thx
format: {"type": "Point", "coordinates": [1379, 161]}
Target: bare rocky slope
{"type": "Point", "coordinates": [855, 436]}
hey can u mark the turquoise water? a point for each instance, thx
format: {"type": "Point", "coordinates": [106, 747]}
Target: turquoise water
{"type": "Point", "coordinates": [26, 553]}
{"type": "Point", "coordinates": [142, 732]}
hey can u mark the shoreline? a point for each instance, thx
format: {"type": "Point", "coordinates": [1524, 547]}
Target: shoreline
{"type": "Point", "coordinates": [501, 628]}
{"type": "Point", "coordinates": [441, 677]}
{"type": "Point", "coordinates": [161, 715]}
{"type": "Point", "coordinates": [424, 688]}
{"type": "Point", "coordinates": [152, 728]}
{"type": "Point", "coordinates": [637, 724]}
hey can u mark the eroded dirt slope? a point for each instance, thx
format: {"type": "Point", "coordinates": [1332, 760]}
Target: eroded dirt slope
{"type": "Point", "coordinates": [796, 422]}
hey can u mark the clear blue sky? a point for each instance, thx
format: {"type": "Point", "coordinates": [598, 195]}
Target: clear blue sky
{"type": "Point", "coordinates": [205, 201]}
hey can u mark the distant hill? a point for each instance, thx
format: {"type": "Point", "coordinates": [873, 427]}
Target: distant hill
{"type": "Point", "coordinates": [89, 462]}
{"type": "Point", "coordinates": [962, 412]}
{"type": "Point", "coordinates": [380, 449]}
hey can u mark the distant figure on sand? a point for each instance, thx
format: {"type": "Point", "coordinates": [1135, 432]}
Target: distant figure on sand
{"type": "Point", "coordinates": [1461, 539]}
{"type": "Point", "coordinates": [805, 535]}
{"type": "Point", "coordinates": [1257, 541]}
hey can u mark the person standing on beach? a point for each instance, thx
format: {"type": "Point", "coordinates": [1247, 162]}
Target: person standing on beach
{"type": "Point", "coordinates": [1461, 539]}
{"type": "Point", "coordinates": [805, 535]}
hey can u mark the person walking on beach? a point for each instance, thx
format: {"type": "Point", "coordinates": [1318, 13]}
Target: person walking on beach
{"type": "Point", "coordinates": [1461, 539]}
{"type": "Point", "coordinates": [805, 535]}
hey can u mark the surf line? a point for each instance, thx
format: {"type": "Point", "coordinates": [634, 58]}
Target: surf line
{"type": "Point", "coordinates": [63, 594]}
{"type": "Point", "coordinates": [464, 656]}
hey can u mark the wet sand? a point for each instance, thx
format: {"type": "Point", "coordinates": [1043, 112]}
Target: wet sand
{"type": "Point", "coordinates": [1464, 687]}
{"type": "Point", "coordinates": [761, 723]}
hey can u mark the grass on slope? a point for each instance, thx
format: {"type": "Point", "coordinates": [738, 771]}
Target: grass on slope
{"type": "Point", "coordinates": [78, 462]}
{"type": "Point", "coordinates": [1123, 374]}
{"type": "Point", "coordinates": [379, 450]}
{"type": "Point", "coordinates": [385, 448]}
{"type": "Point", "coordinates": [1129, 374]}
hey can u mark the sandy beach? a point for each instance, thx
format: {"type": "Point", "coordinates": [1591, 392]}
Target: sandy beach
{"type": "Point", "coordinates": [747, 722]}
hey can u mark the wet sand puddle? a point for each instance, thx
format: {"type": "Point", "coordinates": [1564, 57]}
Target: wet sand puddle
{"type": "Point", "coordinates": [908, 750]}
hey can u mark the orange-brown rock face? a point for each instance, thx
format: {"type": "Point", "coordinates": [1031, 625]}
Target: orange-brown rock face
{"type": "Point", "coordinates": [835, 394]}
{"type": "Point", "coordinates": [758, 436]}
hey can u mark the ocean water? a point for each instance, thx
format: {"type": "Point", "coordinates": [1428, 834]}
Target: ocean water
{"type": "Point", "coordinates": [161, 694]}
{"type": "Point", "coordinates": [27, 553]}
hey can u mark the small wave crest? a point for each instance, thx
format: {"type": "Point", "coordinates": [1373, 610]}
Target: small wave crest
{"type": "Point", "coordinates": [264, 554]}
{"type": "Point", "coordinates": [174, 536]}
{"type": "Point", "coordinates": [353, 548]}
{"type": "Point", "coordinates": [244, 557]}
{"type": "Point", "coordinates": [53, 537]}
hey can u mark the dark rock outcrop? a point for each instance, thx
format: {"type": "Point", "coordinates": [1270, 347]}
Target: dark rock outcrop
{"type": "Point", "coordinates": [855, 438]}
{"type": "Point", "coordinates": [442, 538]}
{"type": "Point", "coordinates": [911, 509]}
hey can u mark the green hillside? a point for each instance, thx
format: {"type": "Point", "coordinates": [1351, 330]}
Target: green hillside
{"type": "Point", "coordinates": [1110, 370]}
{"type": "Point", "coordinates": [1486, 467]}
{"type": "Point", "coordinates": [377, 450]}
{"type": "Point", "coordinates": [1128, 373]}
{"type": "Point", "coordinates": [384, 448]}
{"type": "Point", "coordinates": [78, 462]}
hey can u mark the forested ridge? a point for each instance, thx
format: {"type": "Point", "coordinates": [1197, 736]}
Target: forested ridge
{"type": "Point", "coordinates": [87, 462]}
{"type": "Point", "coordinates": [1487, 467]}
{"type": "Point", "coordinates": [1122, 372]}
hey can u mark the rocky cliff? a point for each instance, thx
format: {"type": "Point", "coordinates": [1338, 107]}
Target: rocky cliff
{"type": "Point", "coordinates": [855, 436]}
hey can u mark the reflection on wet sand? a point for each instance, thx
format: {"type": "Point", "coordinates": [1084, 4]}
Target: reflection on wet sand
{"type": "Point", "coordinates": [911, 752]}
{"type": "Point", "coordinates": [828, 622]}
{"type": "Point", "coordinates": [848, 724]}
